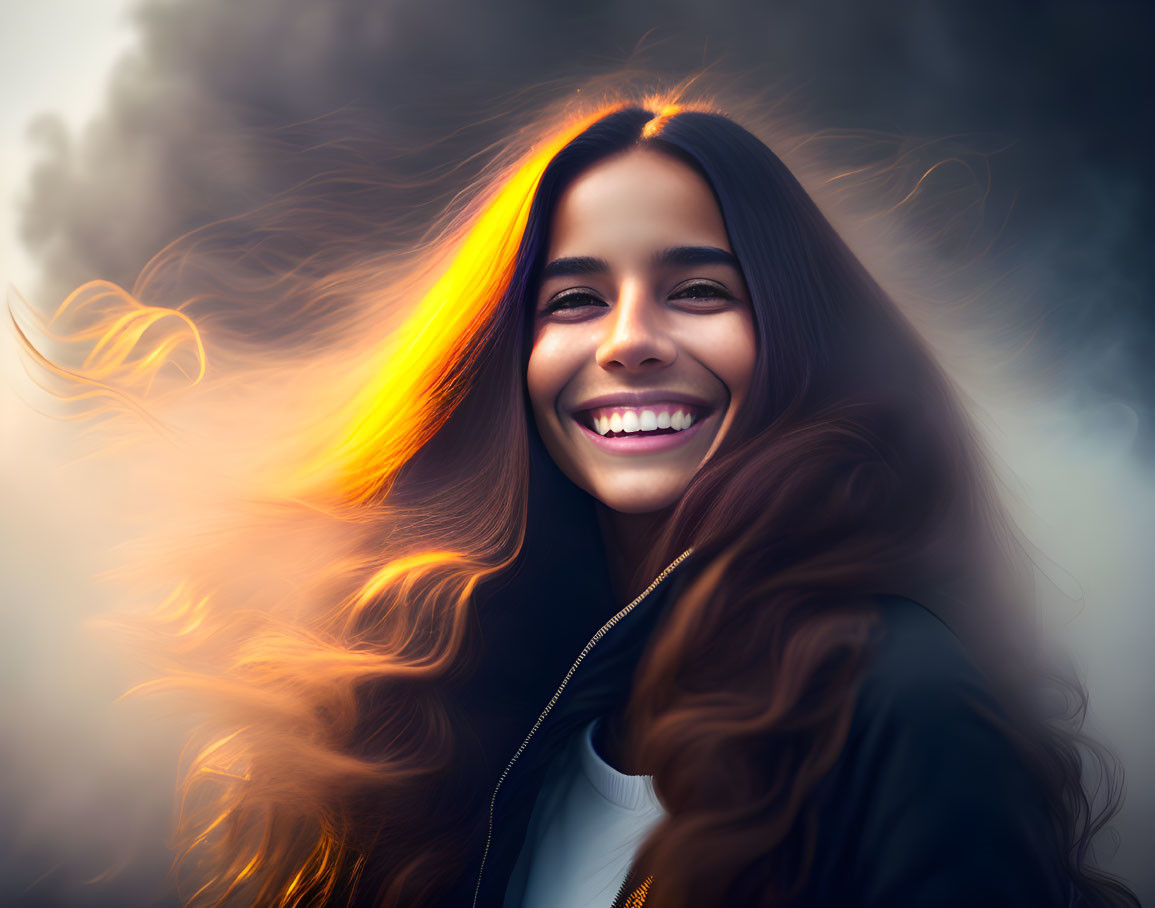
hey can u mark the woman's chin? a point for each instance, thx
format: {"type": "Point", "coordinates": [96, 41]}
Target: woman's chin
{"type": "Point", "coordinates": [651, 498]}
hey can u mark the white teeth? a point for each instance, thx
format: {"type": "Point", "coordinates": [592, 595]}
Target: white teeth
{"type": "Point", "coordinates": [642, 421]}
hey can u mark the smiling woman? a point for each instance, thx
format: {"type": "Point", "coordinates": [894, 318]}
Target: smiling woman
{"type": "Point", "coordinates": [728, 612]}
{"type": "Point", "coordinates": [643, 337]}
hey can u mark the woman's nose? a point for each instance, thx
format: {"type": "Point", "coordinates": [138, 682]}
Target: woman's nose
{"type": "Point", "coordinates": [635, 336]}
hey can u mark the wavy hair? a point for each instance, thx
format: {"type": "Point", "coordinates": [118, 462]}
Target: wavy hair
{"type": "Point", "coordinates": [324, 514]}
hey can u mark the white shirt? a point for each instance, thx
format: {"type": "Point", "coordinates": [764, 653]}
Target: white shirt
{"type": "Point", "coordinates": [586, 827]}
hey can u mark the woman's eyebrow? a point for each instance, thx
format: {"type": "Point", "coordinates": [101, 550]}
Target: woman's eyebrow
{"type": "Point", "coordinates": [574, 266]}
{"type": "Point", "coordinates": [675, 255]}
{"type": "Point", "coordinates": [696, 255]}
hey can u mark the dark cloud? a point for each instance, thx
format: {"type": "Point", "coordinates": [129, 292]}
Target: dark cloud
{"type": "Point", "coordinates": [194, 125]}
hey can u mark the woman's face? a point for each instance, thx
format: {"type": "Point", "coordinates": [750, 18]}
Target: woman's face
{"type": "Point", "coordinates": [643, 341]}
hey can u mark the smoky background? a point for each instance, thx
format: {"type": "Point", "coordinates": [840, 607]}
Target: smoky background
{"type": "Point", "coordinates": [1006, 147]}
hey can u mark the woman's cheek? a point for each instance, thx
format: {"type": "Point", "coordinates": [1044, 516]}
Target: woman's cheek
{"type": "Point", "coordinates": [547, 371]}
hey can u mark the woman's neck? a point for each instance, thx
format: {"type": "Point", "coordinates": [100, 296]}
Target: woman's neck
{"type": "Point", "coordinates": [629, 539]}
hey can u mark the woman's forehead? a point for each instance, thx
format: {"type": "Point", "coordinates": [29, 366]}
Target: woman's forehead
{"type": "Point", "coordinates": [632, 204]}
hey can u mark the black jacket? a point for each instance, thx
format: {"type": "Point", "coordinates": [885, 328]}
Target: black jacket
{"type": "Point", "coordinates": [928, 806]}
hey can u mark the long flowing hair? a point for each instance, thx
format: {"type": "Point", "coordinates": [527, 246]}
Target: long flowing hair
{"type": "Point", "coordinates": [325, 512]}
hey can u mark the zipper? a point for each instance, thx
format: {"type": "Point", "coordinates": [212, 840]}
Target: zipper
{"type": "Point", "coordinates": [594, 640]}
{"type": "Point", "coordinates": [632, 893]}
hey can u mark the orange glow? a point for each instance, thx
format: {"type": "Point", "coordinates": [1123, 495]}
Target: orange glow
{"type": "Point", "coordinates": [277, 576]}
{"type": "Point", "coordinates": [655, 125]}
{"type": "Point", "coordinates": [411, 392]}
{"type": "Point", "coordinates": [129, 344]}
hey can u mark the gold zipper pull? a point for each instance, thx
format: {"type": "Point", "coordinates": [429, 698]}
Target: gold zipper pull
{"type": "Point", "coordinates": [637, 894]}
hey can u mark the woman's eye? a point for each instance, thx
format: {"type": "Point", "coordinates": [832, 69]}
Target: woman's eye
{"type": "Point", "coordinates": [571, 301]}
{"type": "Point", "coordinates": [702, 291]}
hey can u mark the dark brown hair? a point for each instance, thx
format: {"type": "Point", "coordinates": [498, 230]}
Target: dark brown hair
{"type": "Point", "coordinates": [853, 472]}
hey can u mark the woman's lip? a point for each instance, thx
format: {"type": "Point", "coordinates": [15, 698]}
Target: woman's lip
{"type": "Point", "coordinates": [645, 444]}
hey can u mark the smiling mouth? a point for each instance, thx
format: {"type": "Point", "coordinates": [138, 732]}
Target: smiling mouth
{"type": "Point", "coordinates": [641, 422]}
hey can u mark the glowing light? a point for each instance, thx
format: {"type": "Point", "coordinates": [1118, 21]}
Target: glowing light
{"type": "Point", "coordinates": [130, 343]}
{"type": "Point", "coordinates": [279, 672]}
{"type": "Point", "coordinates": [414, 387]}
{"type": "Point", "coordinates": [655, 125]}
